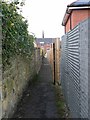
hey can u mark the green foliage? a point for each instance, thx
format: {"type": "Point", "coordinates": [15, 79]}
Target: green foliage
{"type": "Point", "coordinates": [16, 40]}
{"type": "Point", "coordinates": [60, 103]}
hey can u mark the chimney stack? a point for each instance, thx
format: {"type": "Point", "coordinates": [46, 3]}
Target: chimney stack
{"type": "Point", "coordinates": [42, 34]}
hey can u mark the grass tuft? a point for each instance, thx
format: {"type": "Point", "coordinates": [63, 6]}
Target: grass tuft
{"type": "Point", "coordinates": [60, 103]}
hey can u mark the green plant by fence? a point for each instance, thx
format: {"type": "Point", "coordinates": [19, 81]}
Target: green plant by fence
{"type": "Point", "coordinates": [16, 39]}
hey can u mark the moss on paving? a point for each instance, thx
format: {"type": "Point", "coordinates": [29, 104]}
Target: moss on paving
{"type": "Point", "coordinates": [34, 80]}
{"type": "Point", "coordinates": [60, 103]}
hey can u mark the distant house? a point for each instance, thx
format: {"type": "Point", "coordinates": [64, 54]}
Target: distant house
{"type": "Point", "coordinates": [75, 13]}
{"type": "Point", "coordinates": [44, 43]}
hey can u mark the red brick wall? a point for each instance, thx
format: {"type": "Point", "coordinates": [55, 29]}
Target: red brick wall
{"type": "Point", "coordinates": [67, 27]}
{"type": "Point", "coordinates": [76, 17]}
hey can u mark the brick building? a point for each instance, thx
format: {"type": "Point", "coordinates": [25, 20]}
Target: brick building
{"type": "Point", "coordinates": [75, 13]}
{"type": "Point", "coordinates": [44, 43]}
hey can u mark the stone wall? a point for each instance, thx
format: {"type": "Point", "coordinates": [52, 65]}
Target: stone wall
{"type": "Point", "coordinates": [15, 78]}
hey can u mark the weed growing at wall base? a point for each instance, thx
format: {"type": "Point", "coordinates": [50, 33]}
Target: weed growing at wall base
{"type": "Point", "coordinates": [60, 103]}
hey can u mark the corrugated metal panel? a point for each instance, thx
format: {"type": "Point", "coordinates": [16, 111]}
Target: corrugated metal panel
{"type": "Point", "coordinates": [84, 49]}
{"type": "Point", "coordinates": [75, 70]}
{"type": "Point", "coordinates": [64, 79]}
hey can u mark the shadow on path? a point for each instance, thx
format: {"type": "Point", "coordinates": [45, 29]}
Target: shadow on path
{"type": "Point", "coordinates": [39, 99]}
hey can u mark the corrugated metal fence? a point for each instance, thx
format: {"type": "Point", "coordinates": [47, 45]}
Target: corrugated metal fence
{"type": "Point", "coordinates": [75, 69]}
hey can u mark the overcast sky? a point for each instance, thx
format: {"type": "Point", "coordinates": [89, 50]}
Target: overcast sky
{"type": "Point", "coordinates": [45, 15]}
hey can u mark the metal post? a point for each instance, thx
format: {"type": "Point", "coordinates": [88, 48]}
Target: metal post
{"type": "Point", "coordinates": [54, 60]}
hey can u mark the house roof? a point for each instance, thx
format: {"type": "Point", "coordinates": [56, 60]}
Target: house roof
{"type": "Point", "coordinates": [79, 4]}
{"type": "Point", "coordinates": [45, 40]}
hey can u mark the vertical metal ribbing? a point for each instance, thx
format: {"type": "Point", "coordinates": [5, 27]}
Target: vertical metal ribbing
{"type": "Point", "coordinates": [79, 76]}
{"type": "Point", "coordinates": [84, 69]}
{"type": "Point", "coordinates": [67, 72]}
{"type": "Point", "coordinates": [89, 68]}
{"type": "Point", "coordinates": [63, 66]}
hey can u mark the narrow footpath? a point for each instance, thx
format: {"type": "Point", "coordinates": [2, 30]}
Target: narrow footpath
{"type": "Point", "coordinates": [39, 99]}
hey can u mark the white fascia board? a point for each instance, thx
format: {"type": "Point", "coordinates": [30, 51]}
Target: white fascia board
{"type": "Point", "coordinates": [73, 8]}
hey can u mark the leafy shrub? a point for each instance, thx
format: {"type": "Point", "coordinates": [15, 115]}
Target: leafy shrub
{"type": "Point", "coordinates": [16, 39]}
